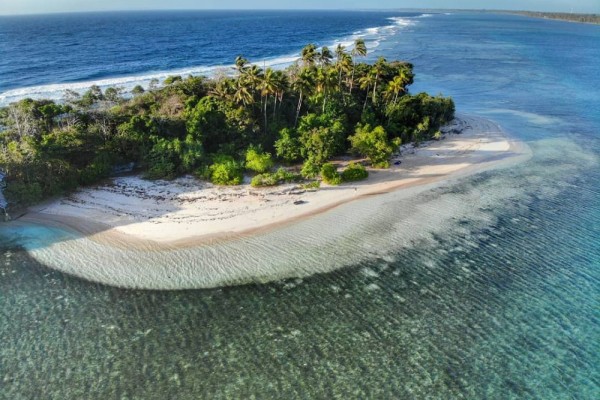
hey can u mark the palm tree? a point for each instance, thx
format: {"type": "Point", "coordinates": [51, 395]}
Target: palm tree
{"type": "Point", "coordinates": [325, 56]}
{"type": "Point", "coordinates": [397, 86]}
{"type": "Point", "coordinates": [241, 64]}
{"type": "Point", "coordinates": [360, 49]}
{"type": "Point", "coordinates": [366, 82]}
{"type": "Point", "coordinates": [252, 77]}
{"type": "Point", "coordinates": [224, 89]}
{"type": "Point", "coordinates": [378, 69]}
{"type": "Point", "coordinates": [267, 88]}
{"type": "Point", "coordinates": [326, 81]}
{"type": "Point", "coordinates": [309, 55]}
{"type": "Point", "coordinates": [340, 51]}
{"type": "Point", "coordinates": [251, 80]}
{"type": "Point", "coordinates": [340, 55]}
{"type": "Point", "coordinates": [303, 83]}
{"type": "Point", "coordinates": [241, 94]}
{"type": "Point", "coordinates": [344, 67]}
{"type": "Point", "coordinates": [280, 81]}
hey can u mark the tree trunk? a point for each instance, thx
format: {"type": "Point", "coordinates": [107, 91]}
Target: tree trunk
{"type": "Point", "coordinates": [298, 110]}
{"type": "Point", "coordinates": [375, 88]}
{"type": "Point", "coordinates": [265, 108]}
{"type": "Point", "coordinates": [352, 81]}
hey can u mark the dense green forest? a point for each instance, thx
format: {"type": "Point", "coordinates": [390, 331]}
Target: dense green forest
{"type": "Point", "coordinates": [585, 18]}
{"type": "Point", "coordinates": [326, 104]}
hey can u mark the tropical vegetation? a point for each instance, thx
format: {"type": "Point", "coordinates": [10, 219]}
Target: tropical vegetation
{"type": "Point", "coordinates": [326, 104]}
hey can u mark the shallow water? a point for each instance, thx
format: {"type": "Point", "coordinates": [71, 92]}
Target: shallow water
{"type": "Point", "coordinates": [488, 287]}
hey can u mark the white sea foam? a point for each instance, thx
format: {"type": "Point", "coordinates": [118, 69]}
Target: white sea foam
{"type": "Point", "coordinates": [56, 91]}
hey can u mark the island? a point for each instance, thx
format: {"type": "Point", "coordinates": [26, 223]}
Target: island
{"type": "Point", "coordinates": [198, 160]}
{"type": "Point", "coordinates": [561, 16]}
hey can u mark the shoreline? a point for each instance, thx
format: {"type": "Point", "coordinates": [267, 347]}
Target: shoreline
{"type": "Point", "coordinates": [188, 213]}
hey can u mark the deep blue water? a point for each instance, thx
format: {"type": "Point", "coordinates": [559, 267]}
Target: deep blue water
{"type": "Point", "coordinates": [67, 48]}
{"type": "Point", "coordinates": [502, 303]}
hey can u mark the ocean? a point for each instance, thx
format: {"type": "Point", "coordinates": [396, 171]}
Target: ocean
{"type": "Point", "coordinates": [485, 287]}
{"type": "Point", "coordinates": [43, 55]}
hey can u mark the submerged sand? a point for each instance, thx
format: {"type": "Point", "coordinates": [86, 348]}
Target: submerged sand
{"type": "Point", "coordinates": [188, 212]}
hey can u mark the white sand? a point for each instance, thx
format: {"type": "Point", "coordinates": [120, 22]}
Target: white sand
{"type": "Point", "coordinates": [187, 212]}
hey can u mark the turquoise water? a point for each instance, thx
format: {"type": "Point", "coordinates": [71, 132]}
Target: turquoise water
{"type": "Point", "coordinates": [501, 302]}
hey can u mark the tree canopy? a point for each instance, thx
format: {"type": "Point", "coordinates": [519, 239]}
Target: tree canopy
{"type": "Point", "coordinates": [322, 106]}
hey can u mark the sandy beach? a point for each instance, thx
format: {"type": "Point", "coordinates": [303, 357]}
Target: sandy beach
{"type": "Point", "coordinates": [188, 212]}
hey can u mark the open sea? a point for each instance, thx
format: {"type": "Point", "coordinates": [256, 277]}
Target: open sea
{"type": "Point", "coordinates": [487, 287]}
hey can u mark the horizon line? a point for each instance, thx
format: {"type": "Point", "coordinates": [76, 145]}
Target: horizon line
{"type": "Point", "coordinates": [400, 9]}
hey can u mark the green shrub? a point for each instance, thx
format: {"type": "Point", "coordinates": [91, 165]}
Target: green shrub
{"type": "Point", "coordinates": [312, 185]}
{"type": "Point", "coordinates": [162, 169]}
{"type": "Point", "coordinates": [169, 80]}
{"type": "Point", "coordinates": [374, 144]}
{"type": "Point", "coordinates": [288, 146]}
{"type": "Point", "coordinates": [354, 172]}
{"type": "Point", "coordinates": [226, 171]}
{"type": "Point", "coordinates": [264, 180]}
{"type": "Point", "coordinates": [23, 194]}
{"type": "Point", "coordinates": [203, 172]}
{"type": "Point", "coordinates": [330, 175]}
{"type": "Point", "coordinates": [276, 178]}
{"type": "Point", "coordinates": [100, 168]}
{"type": "Point", "coordinates": [321, 137]}
{"type": "Point", "coordinates": [310, 168]}
{"type": "Point", "coordinates": [258, 161]}
{"type": "Point", "coordinates": [286, 176]}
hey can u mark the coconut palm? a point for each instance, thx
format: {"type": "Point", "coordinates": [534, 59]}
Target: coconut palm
{"type": "Point", "coordinates": [242, 94]}
{"type": "Point", "coordinates": [280, 81]}
{"type": "Point", "coordinates": [325, 56]}
{"type": "Point", "coordinates": [326, 82]}
{"type": "Point", "coordinates": [241, 64]}
{"type": "Point", "coordinates": [224, 89]}
{"type": "Point", "coordinates": [366, 83]}
{"type": "Point", "coordinates": [378, 69]}
{"type": "Point", "coordinates": [309, 55]}
{"type": "Point", "coordinates": [344, 67]}
{"type": "Point", "coordinates": [359, 50]}
{"type": "Point", "coordinates": [340, 51]}
{"type": "Point", "coordinates": [397, 86]}
{"type": "Point", "coordinates": [267, 88]}
{"type": "Point", "coordinates": [252, 77]}
{"type": "Point", "coordinates": [303, 83]}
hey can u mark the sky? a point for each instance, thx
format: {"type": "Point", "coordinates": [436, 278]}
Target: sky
{"type": "Point", "coordinates": [49, 6]}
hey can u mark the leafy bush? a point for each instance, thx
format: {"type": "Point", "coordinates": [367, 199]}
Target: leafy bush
{"type": "Point", "coordinates": [276, 178]}
{"type": "Point", "coordinates": [374, 144]}
{"type": "Point", "coordinates": [419, 117]}
{"type": "Point", "coordinates": [354, 172]}
{"type": "Point", "coordinates": [288, 145]}
{"type": "Point", "coordinates": [23, 194]}
{"type": "Point", "coordinates": [310, 169]}
{"type": "Point", "coordinates": [100, 168]}
{"type": "Point", "coordinates": [168, 158]}
{"type": "Point", "coordinates": [287, 176]}
{"type": "Point", "coordinates": [264, 180]}
{"type": "Point", "coordinates": [169, 80]}
{"type": "Point", "coordinates": [258, 161]}
{"type": "Point", "coordinates": [330, 175]}
{"type": "Point", "coordinates": [312, 185]}
{"type": "Point", "coordinates": [162, 169]}
{"type": "Point", "coordinates": [226, 171]}
{"type": "Point", "coordinates": [321, 137]}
